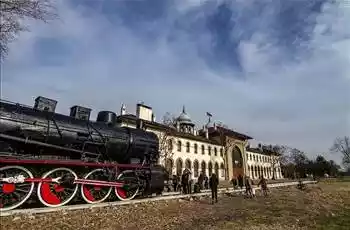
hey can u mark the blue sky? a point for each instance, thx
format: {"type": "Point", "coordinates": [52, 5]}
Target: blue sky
{"type": "Point", "coordinates": [276, 70]}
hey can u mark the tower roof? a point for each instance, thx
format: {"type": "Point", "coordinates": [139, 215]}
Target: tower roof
{"type": "Point", "coordinates": [184, 118]}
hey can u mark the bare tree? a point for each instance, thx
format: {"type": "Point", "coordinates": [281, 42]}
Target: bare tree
{"type": "Point", "coordinates": [342, 145]}
{"type": "Point", "coordinates": [14, 12]}
{"type": "Point", "coordinates": [276, 157]}
{"type": "Point", "coordinates": [167, 141]}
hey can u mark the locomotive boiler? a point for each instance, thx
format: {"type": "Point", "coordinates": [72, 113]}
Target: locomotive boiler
{"type": "Point", "coordinates": [59, 158]}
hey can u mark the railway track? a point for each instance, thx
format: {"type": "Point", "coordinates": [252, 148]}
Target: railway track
{"type": "Point", "coordinates": [165, 196]}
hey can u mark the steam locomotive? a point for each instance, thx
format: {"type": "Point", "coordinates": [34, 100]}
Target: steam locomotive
{"type": "Point", "coordinates": [59, 158]}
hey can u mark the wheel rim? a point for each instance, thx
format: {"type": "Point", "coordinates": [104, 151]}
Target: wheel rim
{"type": "Point", "coordinates": [54, 194]}
{"type": "Point", "coordinates": [14, 195]}
{"type": "Point", "coordinates": [93, 193]}
{"type": "Point", "coordinates": [126, 194]}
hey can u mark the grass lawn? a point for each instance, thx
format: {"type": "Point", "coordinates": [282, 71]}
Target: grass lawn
{"type": "Point", "coordinates": [322, 206]}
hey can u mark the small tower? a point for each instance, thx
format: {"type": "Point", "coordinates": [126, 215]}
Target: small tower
{"type": "Point", "coordinates": [184, 122]}
{"type": "Point", "coordinates": [123, 109]}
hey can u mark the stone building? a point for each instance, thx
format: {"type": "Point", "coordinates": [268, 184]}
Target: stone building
{"type": "Point", "coordinates": [209, 149]}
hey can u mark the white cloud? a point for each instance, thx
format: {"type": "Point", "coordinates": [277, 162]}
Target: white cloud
{"type": "Point", "coordinates": [304, 104]}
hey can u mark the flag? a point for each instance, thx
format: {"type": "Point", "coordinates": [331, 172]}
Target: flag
{"type": "Point", "coordinates": [209, 114]}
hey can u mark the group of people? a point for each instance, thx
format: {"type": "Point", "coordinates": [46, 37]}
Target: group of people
{"type": "Point", "coordinates": [185, 184]}
{"type": "Point", "coordinates": [248, 183]}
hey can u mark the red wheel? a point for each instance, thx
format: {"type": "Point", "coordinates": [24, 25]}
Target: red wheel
{"type": "Point", "coordinates": [60, 192]}
{"type": "Point", "coordinates": [131, 190]}
{"type": "Point", "coordinates": [93, 193]}
{"type": "Point", "coordinates": [13, 190]}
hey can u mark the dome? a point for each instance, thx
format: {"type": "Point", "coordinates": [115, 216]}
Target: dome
{"type": "Point", "coordinates": [184, 117]}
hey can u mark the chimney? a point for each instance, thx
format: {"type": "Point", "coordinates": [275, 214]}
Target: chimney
{"type": "Point", "coordinates": [144, 112]}
{"type": "Point", "coordinates": [206, 133]}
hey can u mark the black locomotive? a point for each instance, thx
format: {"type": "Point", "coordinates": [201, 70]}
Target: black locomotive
{"type": "Point", "coordinates": [61, 156]}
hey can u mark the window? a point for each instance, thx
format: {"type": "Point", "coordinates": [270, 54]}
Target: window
{"type": "Point", "coordinates": [195, 148]}
{"type": "Point", "coordinates": [250, 156]}
{"type": "Point", "coordinates": [209, 150]}
{"type": "Point", "coordinates": [188, 147]}
{"type": "Point", "coordinates": [170, 145]}
{"type": "Point", "coordinates": [221, 152]}
{"type": "Point", "coordinates": [216, 153]}
{"type": "Point", "coordinates": [203, 150]}
{"type": "Point", "coordinates": [179, 146]}
{"type": "Point", "coordinates": [196, 168]}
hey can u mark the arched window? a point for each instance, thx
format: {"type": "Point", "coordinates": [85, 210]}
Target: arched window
{"type": "Point", "coordinates": [179, 146]}
{"type": "Point", "coordinates": [210, 168]}
{"type": "Point", "coordinates": [203, 150]}
{"type": "Point", "coordinates": [204, 167]}
{"type": "Point", "coordinates": [195, 148]}
{"type": "Point", "coordinates": [209, 150]}
{"type": "Point", "coordinates": [216, 169]}
{"type": "Point", "coordinates": [195, 168]}
{"type": "Point", "coordinates": [179, 166]}
{"type": "Point", "coordinates": [188, 147]}
{"type": "Point", "coordinates": [169, 164]}
{"type": "Point", "coordinates": [188, 164]}
{"type": "Point", "coordinates": [222, 169]}
{"type": "Point", "coordinates": [256, 171]}
{"type": "Point", "coordinates": [250, 156]}
{"type": "Point", "coordinates": [215, 152]}
{"type": "Point", "coordinates": [237, 159]}
{"type": "Point", "coordinates": [170, 145]}
{"type": "Point", "coordinates": [221, 152]}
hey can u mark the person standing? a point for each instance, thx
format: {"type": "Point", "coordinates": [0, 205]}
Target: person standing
{"type": "Point", "coordinates": [206, 182]}
{"type": "Point", "coordinates": [263, 184]}
{"type": "Point", "coordinates": [175, 182]}
{"type": "Point", "coordinates": [240, 181]}
{"type": "Point", "coordinates": [184, 182]}
{"type": "Point", "coordinates": [200, 181]}
{"type": "Point", "coordinates": [248, 187]}
{"type": "Point", "coordinates": [213, 184]}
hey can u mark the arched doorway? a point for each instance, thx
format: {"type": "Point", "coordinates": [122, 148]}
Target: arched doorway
{"type": "Point", "coordinates": [237, 162]}
{"type": "Point", "coordinates": [188, 164]}
{"type": "Point", "coordinates": [222, 169]}
{"type": "Point", "coordinates": [179, 166]}
{"type": "Point", "coordinates": [169, 164]}
{"type": "Point", "coordinates": [203, 167]}
{"type": "Point", "coordinates": [195, 168]}
{"type": "Point", "coordinates": [210, 168]}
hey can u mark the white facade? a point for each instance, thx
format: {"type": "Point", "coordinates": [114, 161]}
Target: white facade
{"type": "Point", "coordinates": [196, 156]}
{"type": "Point", "coordinates": [259, 164]}
{"type": "Point", "coordinates": [201, 155]}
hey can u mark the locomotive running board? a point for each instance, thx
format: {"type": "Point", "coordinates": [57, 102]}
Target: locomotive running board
{"type": "Point", "coordinates": [13, 159]}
